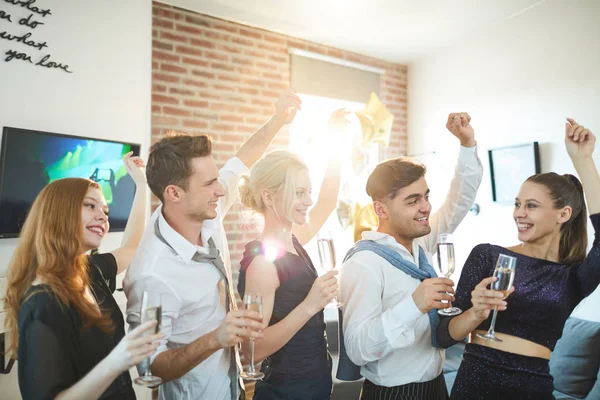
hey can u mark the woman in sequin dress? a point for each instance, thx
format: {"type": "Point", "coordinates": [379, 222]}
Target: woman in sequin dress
{"type": "Point", "coordinates": [553, 275]}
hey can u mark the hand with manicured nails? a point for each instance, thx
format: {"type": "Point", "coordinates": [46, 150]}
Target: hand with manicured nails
{"type": "Point", "coordinates": [239, 326]}
{"type": "Point", "coordinates": [459, 124]}
{"type": "Point", "coordinates": [579, 140]}
{"type": "Point", "coordinates": [322, 292]}
{"type": "Point", "coordinates": [134, 347]}
{"type": "Point", "coordinates": [430, 293]}
{"type": "Point", "coordinates": [485, 300]}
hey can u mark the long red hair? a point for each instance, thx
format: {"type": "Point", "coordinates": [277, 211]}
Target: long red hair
{"type": "Point", "coordinates": [50, 247]}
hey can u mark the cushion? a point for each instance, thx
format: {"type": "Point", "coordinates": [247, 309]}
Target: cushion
{"type": "Point", "coordinates": [575, 362]}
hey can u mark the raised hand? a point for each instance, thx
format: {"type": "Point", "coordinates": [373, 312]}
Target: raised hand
{"type": "Point", "coordinates": [430, 293]}
{"type": "Point", "coordinates": [239, 326]}
{"type": "Point", "coordinates": [580, 141]}
{"type": "Point", "coordinates": [286, 107]}
{"type": "Point", "coordinates": [135, 168]}
{"type": "Point", "coordinates": [485, 300]}
{"type": "Point", "coordinates": [339, 121]}
{"type": "Point", "coordinates": [459, 124]}
{"type": "Point", "coordinates": [322, 292]}
{"type": "Point", "coordinates": [138, 345]}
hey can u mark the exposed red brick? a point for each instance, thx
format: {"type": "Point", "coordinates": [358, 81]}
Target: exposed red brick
{"type": "Point", "coordinates": [250, 33]}
{"type": "Point", "coordinates": [194, 61]}
{"type": "Point", "coordinates": [173, 68]}
{"type": "Point", "coordinates": [234, 75]}
{"type": "Point", "coordinates": [156, 44]}
{"type": "Point", "coordinates": [162, 23]}
{"type": "Point", "coordinates": [196, 103]}
{"type": "Point", "coordinates": [175, 111]}
{"type": "Point", "coordinates": [161, 55]}
{"type": "Point", "coordinates": [171, 36]}
{"type": "Point", "coordinates": [157, 98]}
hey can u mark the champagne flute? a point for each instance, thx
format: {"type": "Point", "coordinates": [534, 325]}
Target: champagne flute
{"type": "Point", "coordinates": [151, 310]}
{"type": "Point", "coordinates": [327, 258]}
{"type": "Point", "coordinates": [252, 302]}
{"type": "Point", "coordinates": [446, 263]}
{"type": "Point", "coordinates": [505, 272]}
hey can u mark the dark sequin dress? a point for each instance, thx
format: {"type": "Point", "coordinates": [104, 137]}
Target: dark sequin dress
{"type": "Point", "coordinates": [545, 295]}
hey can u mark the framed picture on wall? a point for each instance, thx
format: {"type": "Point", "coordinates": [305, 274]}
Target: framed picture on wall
{"type": "Point", "coordinates": [509, 167]}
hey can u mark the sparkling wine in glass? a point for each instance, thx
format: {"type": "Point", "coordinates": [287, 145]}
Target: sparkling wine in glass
{"type": "Point", "coordinates": [252, 302]}
{"type": "Point", "coordinates": [327, 257]}
{"type": "Point", "coordinates": [505, 272]}
{"type": "Point", "coordinates": [151, 311]}
{"type": "Point", "coordinates": [446, 264]}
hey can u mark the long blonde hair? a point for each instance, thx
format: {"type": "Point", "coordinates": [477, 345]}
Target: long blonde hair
{"type": "Point", "coordinates": [275, 172]}
{"type": "Point", "coordinates": [50, 248]}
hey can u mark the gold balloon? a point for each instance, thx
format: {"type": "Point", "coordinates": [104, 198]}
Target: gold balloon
{"type": "Point", "coordinates": [365, 219]}
{"type": "Point", "coordinates": [376, 122]}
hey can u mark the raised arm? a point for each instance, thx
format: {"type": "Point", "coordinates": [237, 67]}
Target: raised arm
{"type": "Point", "coordinates": [285, 111]}
{"type": "Point", "coordinates": [137, 216]}
{"type": "Point", "coordinates": [328, 194]}
{"type": "Point", "coordinates": [464, 185]}
{"type": "Point", "coordinates": [580, 143]}
{"type": "Point", "coordinates": [261, 277]}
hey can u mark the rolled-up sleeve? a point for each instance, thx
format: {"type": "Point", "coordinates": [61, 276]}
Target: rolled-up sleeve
{"type": "Point", "coordinates": [229, 177]}
{"type": "Point", "coordinates": [370, 333]}
{"type": "Point", "coordinates": [461, 196]}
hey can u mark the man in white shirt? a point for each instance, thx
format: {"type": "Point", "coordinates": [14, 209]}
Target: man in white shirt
{"type": "Point", "coordinates": [386, 325]}
{"type": "Point", "coordinates": [178, 260]}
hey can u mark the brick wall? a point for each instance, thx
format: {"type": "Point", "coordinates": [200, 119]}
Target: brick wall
{"type": "Point", "coordinates": [216, 77]}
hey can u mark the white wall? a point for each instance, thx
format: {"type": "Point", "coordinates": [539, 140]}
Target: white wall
{"type": "Point", "coordinates": [518, 80]}
{"type": "Point", "coordinates": [107, 45]}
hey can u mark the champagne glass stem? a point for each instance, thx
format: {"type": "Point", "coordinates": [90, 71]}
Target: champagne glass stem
{"type": "Point", "coordinates": [252, 357]}
{"type": "Point", "coordinates": [493, 323]}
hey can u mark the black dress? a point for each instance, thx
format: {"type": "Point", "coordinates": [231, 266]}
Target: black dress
{"type": "Point", "coordinates": [54, 352]}
{"type": "Point", "coordinates": [545, 295]}
{"type": "Point", "coordinates": [301, 369]}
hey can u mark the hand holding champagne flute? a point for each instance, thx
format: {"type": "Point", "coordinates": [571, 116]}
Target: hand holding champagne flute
{"type": "Point", "coordinates": [505, 275]}
{"type": "Point", "coordinates": [252, 302]}
{"type": "Point", "coordinates": [446, 264]}
{"type": "Point", "coordinates": [327, 257]}
{"type": "Point", "coordinates": [151, 310]}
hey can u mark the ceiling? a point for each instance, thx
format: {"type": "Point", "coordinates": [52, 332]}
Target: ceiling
{"type": "Point", "coordinates": [401, 31]}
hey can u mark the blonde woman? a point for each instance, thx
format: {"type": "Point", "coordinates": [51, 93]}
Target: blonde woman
{"type": "Point", "coordinates": [277, 267]}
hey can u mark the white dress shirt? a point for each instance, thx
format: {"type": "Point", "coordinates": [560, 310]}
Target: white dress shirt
{"type": "Point", "coordinates": [192, 293]}
{"type": "Point", "coordinates": [384, 331]}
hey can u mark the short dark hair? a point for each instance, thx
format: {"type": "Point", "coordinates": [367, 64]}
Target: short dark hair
{"type": "Point", "coordinates": [169, 161]}
{"type": "Point", "coordinates": [392, 175]}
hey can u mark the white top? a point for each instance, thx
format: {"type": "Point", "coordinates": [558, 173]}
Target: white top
{"type": "Point", "coordinates": [192, 293]}
{"type": "Point", "coordinates": [384, 331]}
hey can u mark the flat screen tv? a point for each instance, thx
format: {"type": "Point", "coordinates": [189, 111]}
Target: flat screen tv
{"type": "Point", "coordinates": [30, 160]}
{"type": "Point", "coordinates": [509, 167]}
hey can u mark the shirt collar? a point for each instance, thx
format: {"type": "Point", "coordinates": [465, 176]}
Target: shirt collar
{"type": "Point", "coordinates": [388, 240]}
{"type": "Point", "coordinates": [181, 245]}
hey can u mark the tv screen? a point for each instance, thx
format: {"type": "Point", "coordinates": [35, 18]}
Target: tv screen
{"type": "Point", "coordinates": [509, 167]}
{"type": "Point", "coordinates": [32, 159]}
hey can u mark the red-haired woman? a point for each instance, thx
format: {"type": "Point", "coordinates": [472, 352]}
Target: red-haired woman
{"type": "Point", "coordinates": [62, 316]}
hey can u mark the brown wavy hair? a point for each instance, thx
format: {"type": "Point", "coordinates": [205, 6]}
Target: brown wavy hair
{"type": "Point", "coordinates": [50, 247]}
